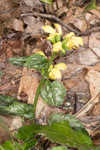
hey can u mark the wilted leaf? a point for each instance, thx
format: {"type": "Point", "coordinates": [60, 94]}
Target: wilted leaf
{"type": "Point", "coordinates": [53, 93]}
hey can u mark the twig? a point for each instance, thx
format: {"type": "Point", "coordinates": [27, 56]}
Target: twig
{"type": "Point", "coordinates": [66, 26]}
{"type": "Point", "coordinates": [88, 106]}
{"type": "Point", "coordinates": [8, 11]}
{"type": "Point", "coordinates": [54, 18]}
{"type": "Point", "coordinates": [88, 32]}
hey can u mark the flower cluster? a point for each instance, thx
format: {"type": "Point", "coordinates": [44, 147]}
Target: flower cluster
{"type": "Point", "coordinates": [60, 44]}
{"type": "Point", "coordinates": [54, 70]}
{"type": "Point", "coordinates": [54, 33]}
{"type": "Point", "coordinates": [68, 42]}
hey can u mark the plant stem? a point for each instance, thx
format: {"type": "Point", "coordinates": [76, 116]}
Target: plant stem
{"type": "Point", "coordinates": [52, 58]}
{"type": "Point", "coordinates": [37, 95]}
{"type": "Point", "coordinates": [40, 85]}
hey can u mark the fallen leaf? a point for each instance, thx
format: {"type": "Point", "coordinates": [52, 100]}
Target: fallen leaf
{"type": "Point", "coordinates": [33, 25]}
{"type": "Point", "coordinates": [93, 77]}
{"type": "Point", "coordinates": [18, 25]}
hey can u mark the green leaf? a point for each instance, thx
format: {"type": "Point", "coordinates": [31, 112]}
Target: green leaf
{"type": "Point", "coordinates": [10, 105]}
{"type": "Point", "coordinates": [54, 38]}
{"type": "Point", "coordinates": [6, 100]}
{"type": "Point", "coordinates": [59, 148]}
{"type": "Point", "coordinates": [8, 145]}
{"type": "Point", "coordinates": [64, 45]}
{"type": "Point", "coordinates": [53, 93]}
{"type": "Point", "coordinates": [1, 74]}
{"type": "Point", "coordinates": [36, 61]}
{"type": "Point", "coordinates": [73, 122]}
{"type": "Point", "coordinates": [21, 109]}
{"type": "Point", "coordinates": [91, 5]}
{"type": "Point", "coordinates": [60, 133]}
{"type": "Point", "coordinates": [28, 132]}
{"type": "Point", "coordinates": [18, 61]}
{"type": "Point", "coordinates": [1, 148]}
{"type": "Point", "coordinates": [47, 1]}
{"type": "Point", "coordinates": [29, 144]}
{"type": "Point", "coordinates": [83, 147]}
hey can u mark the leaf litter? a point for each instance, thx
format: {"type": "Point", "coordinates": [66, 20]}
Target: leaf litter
{"type": "Point", "coordinates": [24, 31]}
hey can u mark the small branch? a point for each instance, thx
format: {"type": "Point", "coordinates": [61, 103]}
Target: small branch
{"type": "Point", "coordinates": [66, 26]}
{"type": "Point", "coordinates": [88, 106]}
{"type": "Point", "coordinates": [54, 18]}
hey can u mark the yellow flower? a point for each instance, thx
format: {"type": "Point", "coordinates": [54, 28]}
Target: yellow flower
{"type": "Point", "coordinates": [41, 53]}
{"type": "Point", "coordinates": [51, 67]}
{"type": "Point", "coordinates": [51, 36]}
{"type": "Point", "coordinates": [54, 37]}
{"type": "Point", "coordinates": [54, 71]}
{"type": "Point", "coordinates": [58, 28]}
{"type": "Point", "coordinates": [77, 41]}
{"type": "Point", "coordinates": [57, 47]}
{"type": "Point", "coordinates": [61, 66]}
{"type": "Point", "coordinates": [69, 35]}
{"type": "Point", "coordinates": [48, 29]}
{"type": "Point", "coordinates": [55, 74]}
{"type": "Point", "coordinates": [72, 42]}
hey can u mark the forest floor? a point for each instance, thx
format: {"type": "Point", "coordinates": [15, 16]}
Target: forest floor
{"type": "Point", "coordinates": [21, 35]}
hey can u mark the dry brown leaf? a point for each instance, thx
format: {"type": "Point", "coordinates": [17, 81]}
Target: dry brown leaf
{"type": "Point", "coordinates": [94, 42]}
{"type": "Point", "coordinates": [33, 25]}
{"type": "Point", "coordinates": [93, 77]}
{"type": "Point", "coordinates": [18, 25]}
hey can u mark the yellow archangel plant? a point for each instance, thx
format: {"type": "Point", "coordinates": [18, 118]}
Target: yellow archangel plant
{"type": "Point", "coordinates": [50, 87]}
{"type": "Point", "coordinates": [53, 92]}
{"type": "Point", "coordinates": [60, 43]}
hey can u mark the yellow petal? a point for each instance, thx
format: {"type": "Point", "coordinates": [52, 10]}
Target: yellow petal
{"type": "Point", "coordinates": [57, 47]}
{"type": "Point", "coordinates": [50, 68]}
{"type": "Point", "coordinates": [60, 66]}
{"type": "Point", "coordinates": [51, 36]}
{"type": "Point", "coordinates": [55, 74]}
{"type": "Point", "coordinates": [58, 28]}
{"type": "Point", "coordinates": [72, 41]}
{"type": "Point", "coordinates": [77, 41]}
{"type": "Point", "coordinates": [70, 44]}
{"type": "Point", "coordinates": [69, 35]}
{"type": "Point", "coordinates": [41, 53]}
{"type": "Point", "coordinates": [48, 29]}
